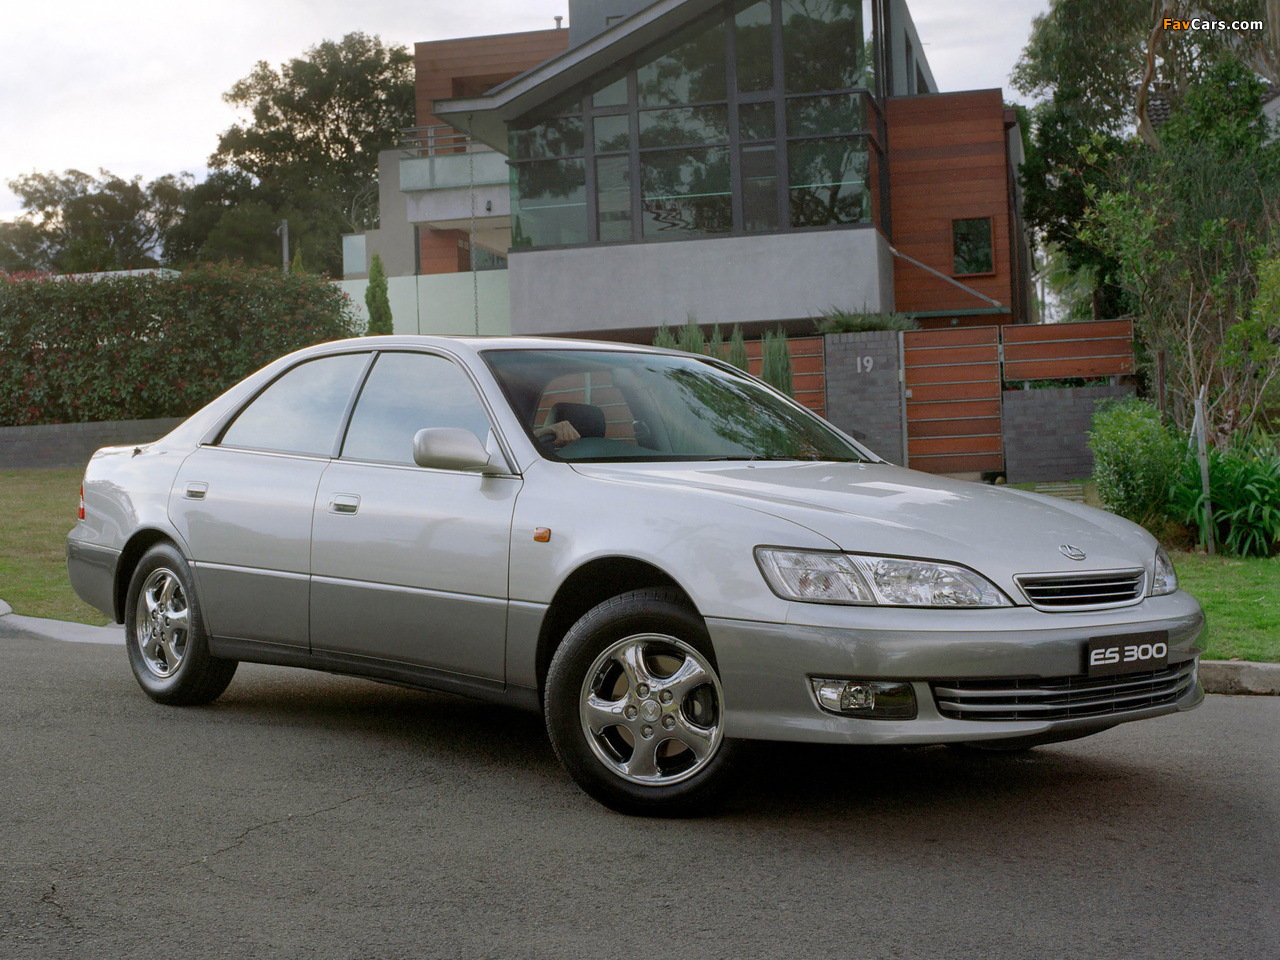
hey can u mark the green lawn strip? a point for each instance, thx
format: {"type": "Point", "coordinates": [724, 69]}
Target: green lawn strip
{"type": "Point", "coordinates": [1241, 598]}
{"type": "Point", "coordinates": [39, 508]}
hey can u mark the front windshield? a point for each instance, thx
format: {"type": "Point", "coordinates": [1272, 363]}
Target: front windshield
{"type": "Point", "coordinates": [611, 405]}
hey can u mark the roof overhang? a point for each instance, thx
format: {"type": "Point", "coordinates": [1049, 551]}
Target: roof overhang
{"type": "Point", "coordinates": [485, 118]}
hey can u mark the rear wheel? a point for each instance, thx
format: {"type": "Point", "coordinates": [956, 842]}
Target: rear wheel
{"type": "Point", "coordinates": [165, 635]}
{"type": "Point", "coordinates": [634, 706]}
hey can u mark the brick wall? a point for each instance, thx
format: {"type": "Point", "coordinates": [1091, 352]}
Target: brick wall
{"type": "Point", "coordinates": [71, 444]}
{"type": "Point", "coordinates": [1046, 431]}
{"type": "Point", "coordinates": [863, 393]}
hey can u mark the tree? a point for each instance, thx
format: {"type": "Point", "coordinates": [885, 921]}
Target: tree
{"type": "Point", "coordinates": [376, 300]}
{"type": "Point", "coordinates": [318, 124]}
{"type": "Point", "coordinates": [1096, 65]}
{"type": "Point", "coordinates": [1191, 228]}
{"type": "Point", "coordinates": [78, 223]}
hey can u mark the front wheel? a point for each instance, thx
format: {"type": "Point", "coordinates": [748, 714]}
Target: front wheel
{"type": "Point", "coordinates": [634, 706]}
{"type": "Point", "coordinates": [165, 635]}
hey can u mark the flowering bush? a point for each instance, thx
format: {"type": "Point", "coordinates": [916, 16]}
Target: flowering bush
{"type": "Point", "coordinates": [132, 348]}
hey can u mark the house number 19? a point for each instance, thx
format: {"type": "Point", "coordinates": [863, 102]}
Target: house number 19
{"type": "Point", "coordinates": [865, 364]}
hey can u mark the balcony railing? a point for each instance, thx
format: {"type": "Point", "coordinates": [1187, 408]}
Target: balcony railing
{"type": "Point", "coordinates": [438, 140]}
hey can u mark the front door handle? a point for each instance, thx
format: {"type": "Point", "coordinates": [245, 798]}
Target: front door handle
{"type": "Point", "coordinates": [346, 503]}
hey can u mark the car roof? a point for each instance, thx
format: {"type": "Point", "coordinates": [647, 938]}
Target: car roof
{"type": "Point", "coordinates": [475, 345]}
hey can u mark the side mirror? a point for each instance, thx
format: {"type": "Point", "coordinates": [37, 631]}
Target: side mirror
{"type": "Point", "coordinates": [450, 448]}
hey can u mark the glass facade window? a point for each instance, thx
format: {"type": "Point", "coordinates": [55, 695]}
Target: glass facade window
{"type": "Point", "coordinates": [817, 116]}
{"type": "Point", "coordinates": [684, 125]}
{"type": "Point", "coordinates": [612, 134]}
{"type": "Point", "coordinates": [613, 192]}
{"type": "Point", "coordinates": [760, 188]}
{"type": "Point", "coordinates": [971, 243]}
{"type": "Point", "coordinates": [549, 203]}
{"type": "Point", "coordinates": [827, 45]}
{"type": "Point", "coordinates": [686, 192]}
{"type": "Point", "coordinates": [756, 121]}
{"type": "Point", "coordinates": [692, 70]}
{"type": "Point", "coordinates": [559, 137]}
{"type": "Point", "coordinates": [753, 40]}
{"type": "Point", "coordinates": [829, 181]}
{"type": "Point", "coordinates": [612, 94]}
{"type": "Point", "coordinates": [702, 134]}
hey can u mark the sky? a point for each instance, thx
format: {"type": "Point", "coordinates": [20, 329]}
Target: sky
{"type": "Point", "coordinates": [135, 86]}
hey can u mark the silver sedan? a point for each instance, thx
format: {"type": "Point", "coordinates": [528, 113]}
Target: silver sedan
{"type": "Point", "coordinates": [660, 553]}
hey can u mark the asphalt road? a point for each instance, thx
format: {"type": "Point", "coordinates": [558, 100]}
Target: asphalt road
{"type": "Point", "coordinates": [312, 816]}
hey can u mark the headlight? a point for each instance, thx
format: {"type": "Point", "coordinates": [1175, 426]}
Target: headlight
{"type": "Point", "coordinates": [818, 577]}
{"type": "Point", "coordinates": [1165, 580]}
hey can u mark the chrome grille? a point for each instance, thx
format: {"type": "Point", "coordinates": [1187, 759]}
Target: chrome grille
{"type": "Point", "coordinates": [1062, 698]}
{"type": "Point", "coordinates": [1072, 591]}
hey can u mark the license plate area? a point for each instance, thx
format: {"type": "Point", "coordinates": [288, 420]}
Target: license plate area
{"type": "Point", "coordinates": [1126, 653]}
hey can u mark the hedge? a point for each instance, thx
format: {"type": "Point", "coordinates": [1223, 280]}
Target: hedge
{"type": "Point", "coordinates": [135, 348]}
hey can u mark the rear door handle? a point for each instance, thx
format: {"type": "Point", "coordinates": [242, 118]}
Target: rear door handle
{"type": "Point", "coordinates": [196, 491]}
{"type": "Point", "coordinates": [347, 503]}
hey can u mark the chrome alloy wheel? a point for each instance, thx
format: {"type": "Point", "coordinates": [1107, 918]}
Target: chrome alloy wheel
{"type": "Point", "coordinates": [162, 623]}
{"type": "Point", "coordinates": [651, 709]}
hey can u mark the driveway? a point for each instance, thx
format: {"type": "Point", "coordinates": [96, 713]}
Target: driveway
{"type": "Point", "coordinates": [304, 815]}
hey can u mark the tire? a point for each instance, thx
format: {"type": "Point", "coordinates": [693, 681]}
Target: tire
{"type": "Point", "coordinates": [635, 710]}
{"type": "Point", "coordinates": [165, 636]}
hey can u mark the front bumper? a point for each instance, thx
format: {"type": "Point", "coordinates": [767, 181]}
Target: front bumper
{"type": "Point", "coordinates": [765, 668]}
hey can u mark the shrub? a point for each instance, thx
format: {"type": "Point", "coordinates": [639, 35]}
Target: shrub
{"type": "Point", "coordinates": [776, 369]}
{"type": "Point", "coordinates": [738, 349]}
{"type": "Point", "coordinates": [853, 321]}
{"type": "Point", "coordinates": [127, 348]}
{"type": "Point", "coordinates": [1135, 457]}
{"type": "Point", "coordinates": [691, 339]}
{"type": "Point", "coordinates": [665, 338]}
{"type": "Point", "coordinates": [715, 346]}
{"type": "Point", "coordinates": [1244, 489]}
{"type": "Point", "coordinates": [376, 300]}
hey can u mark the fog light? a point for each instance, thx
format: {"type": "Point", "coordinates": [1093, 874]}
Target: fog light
{"type": "Point", "coordinates": [873, 699]}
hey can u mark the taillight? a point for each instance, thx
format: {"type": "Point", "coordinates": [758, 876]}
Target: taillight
{"type": "Point", "coordinates": [82, 501]}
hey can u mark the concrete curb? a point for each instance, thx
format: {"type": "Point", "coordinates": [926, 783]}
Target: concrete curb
{"type": "Point", "coordinates": [61, 629]}
{"type": "Point", "coordinates": [1240, 676]}
{"type": "Point", "coordinates": [1233, 677]}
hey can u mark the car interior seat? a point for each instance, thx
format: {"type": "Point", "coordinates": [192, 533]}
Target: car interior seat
{"type": "Point", "coordinates": [587, 418]}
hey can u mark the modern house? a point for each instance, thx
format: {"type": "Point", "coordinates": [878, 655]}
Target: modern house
{"type": "Point", "coordinates": [742, 161]}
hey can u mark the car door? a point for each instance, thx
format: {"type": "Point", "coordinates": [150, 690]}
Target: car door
{"type": "Point", "coordinates": [410, 564]}
{"type": "Point", "coordinates": [243, 504]}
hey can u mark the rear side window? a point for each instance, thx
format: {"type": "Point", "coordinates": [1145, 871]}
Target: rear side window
{"type": "Point", "coordinates": [302, 411]}
{"type": "Point", "coordinates": [405, 393]}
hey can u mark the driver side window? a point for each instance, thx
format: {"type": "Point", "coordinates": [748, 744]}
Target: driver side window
{"type": "Point", "coordinates": [405, 393]}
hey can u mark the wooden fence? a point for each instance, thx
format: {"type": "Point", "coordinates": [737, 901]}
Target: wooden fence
{"type": "Point", "coordinates": [954, 381]}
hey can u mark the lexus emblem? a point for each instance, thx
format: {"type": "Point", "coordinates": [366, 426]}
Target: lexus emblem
{"type": "Point", "coordinates": [1070, 552]}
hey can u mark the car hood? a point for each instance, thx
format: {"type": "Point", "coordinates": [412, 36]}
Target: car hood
{"type": "Point", "coordinates": [882, 509]}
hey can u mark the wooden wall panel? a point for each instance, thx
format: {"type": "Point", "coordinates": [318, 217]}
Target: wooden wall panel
{"type": "Point", "coordinates": [948, 160]}
{"type": "Point", "coordinates": [444, 67]}
{"type": "Point", "coordinates": [440, 252]}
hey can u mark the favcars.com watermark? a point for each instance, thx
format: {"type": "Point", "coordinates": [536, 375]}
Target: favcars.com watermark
{"type": "Point", "coordinates": [1240, 26]}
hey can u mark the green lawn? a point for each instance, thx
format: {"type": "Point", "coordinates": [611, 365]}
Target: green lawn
{"type": "Point", "coordinates": [1241, 597]}
{"type": "Point", "coordinates": [39, 508]}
